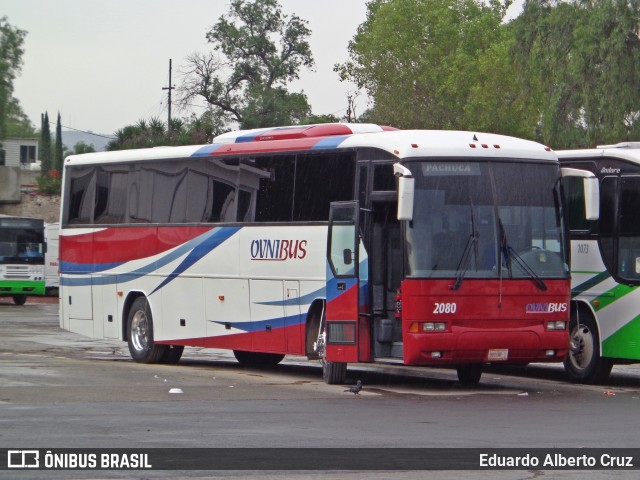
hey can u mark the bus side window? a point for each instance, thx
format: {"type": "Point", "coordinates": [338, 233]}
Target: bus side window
{"type": "Point", "coordinates": [629, 239]}
{"type": "Point", "coordinates": [606, 224]}
{"type": "Point", "coordinates": [80, 196]}
{"type": "Point", "coordinates": [275, 195]}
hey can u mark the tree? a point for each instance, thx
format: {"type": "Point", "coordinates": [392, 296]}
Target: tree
{"type": "Point", "coordinates": [257, 51]}
{"type": "Point", "coordinates": [580, 61]}
{"type": "Point", "coordinates": [497, 102]}
{"type": "Point", "coordinates": [45, 143]}
{"type": "Point", "coordinates": [11, 51]}
{"type": "Point", "coordinates": [18, 124]}
{"type": "Point", "coordinates": [58, 158]}
{"type": "Point", "coordinates": [420, 60]}
{"type": "Point", "coordinates": [80, 148]}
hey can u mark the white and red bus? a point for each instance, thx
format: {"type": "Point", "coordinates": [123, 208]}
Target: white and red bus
{"type": "Point", "coordinates": [347, 243]}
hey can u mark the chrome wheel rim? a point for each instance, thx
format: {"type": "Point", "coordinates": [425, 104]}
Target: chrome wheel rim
{"type": "Point", "coordinates": [140, 331]}
{"type": "Point", "coordinates": [582, 347]}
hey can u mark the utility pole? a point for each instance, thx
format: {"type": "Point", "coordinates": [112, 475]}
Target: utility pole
{"type": "Point", "coordinates": [170, 87]}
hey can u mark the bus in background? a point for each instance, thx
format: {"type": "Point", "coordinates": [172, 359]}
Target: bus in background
{"type": "Point", "coordinates": [605, 263]}
{"type": "Point", "coordinates": [51, 262]}
{"type": "Point", "coordinates": [22, 249]}
{"type": "Point", "coordinates": [344, 243]}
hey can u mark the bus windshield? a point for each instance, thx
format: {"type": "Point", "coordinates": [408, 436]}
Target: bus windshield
{"type": "Point", "coordinates": [486, 220]}
{"type": "Point", "coordinates": [21, 242]}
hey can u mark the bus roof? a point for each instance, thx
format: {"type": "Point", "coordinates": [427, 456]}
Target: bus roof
{"type": "Point", "coordinates": [403, 144]}
{"type": "Point", "coordinates": [629, 151]}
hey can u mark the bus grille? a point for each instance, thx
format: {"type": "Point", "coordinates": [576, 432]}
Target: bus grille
{"type": "Point", "coordinates": [17, 272]}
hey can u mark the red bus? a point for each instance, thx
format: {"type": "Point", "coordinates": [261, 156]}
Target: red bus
{"type": "Point", "coordinates": [344, 243]}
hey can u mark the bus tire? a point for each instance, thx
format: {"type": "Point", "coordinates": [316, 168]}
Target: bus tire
{"type": "Point", "coordinates": [469, 374]}
{"type": "Point", "coordinates": [256, 359]}
{"type": "Point", "coordinates": [20, 299]}
{"type": "Point", "coordinates": [583, 363]}
{"type": "Point", "coordinates": [140, 334]}
{"type": "Point", "coordinates": [172, 354]}
{"type": "Point", "coordinates": [334, 373]}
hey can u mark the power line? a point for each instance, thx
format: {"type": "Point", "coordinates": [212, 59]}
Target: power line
{"type": "Point", "coordinates": [83, 131]}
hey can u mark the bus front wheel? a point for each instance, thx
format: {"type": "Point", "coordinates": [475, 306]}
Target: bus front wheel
{"type": "Point", "coordinates": [583, 363]}
{"type": "Point", "coordinates": [19, 299]}
{"type": "Point", "coordinates": [334, 373]}
{"type": "Point", "coordinates": [469, 374]}
{"type": "Point", "coordinates": [140, 334]}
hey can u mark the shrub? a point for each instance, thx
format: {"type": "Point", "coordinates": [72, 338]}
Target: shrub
{"type": "Point", "coordinates": [50, 183]}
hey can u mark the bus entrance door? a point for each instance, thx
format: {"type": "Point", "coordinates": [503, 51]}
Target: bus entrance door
{"type": "Point", "coordinates": [342, 289]}
{"type": "Point", "coordinates": [385, 275]}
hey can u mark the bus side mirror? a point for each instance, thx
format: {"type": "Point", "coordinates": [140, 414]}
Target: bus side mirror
{"type": "Point", "coordinates": [406, 185]}
{"type": "Point", "coordinates": [591, 198]}
{"type": "Point", "coordinates": [591, 191]}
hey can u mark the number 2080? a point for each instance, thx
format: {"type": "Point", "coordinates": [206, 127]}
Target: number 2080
{"type": "Point", "coordinates": [445, 308]}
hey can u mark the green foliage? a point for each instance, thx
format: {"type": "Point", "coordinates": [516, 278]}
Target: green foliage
{"type": "Point", "coordinates": [581, 61]}
{"type": "Point", "coordinates": [257, 51]}
{"type": "Point", "coordinates": [50, 183]}
{"type": "Point", "coordinates": [18, 124]}
{"type": "Point", "coordinates": [58, 155]}
{"type": "Point", "coordinates": [422, 61]}
{"type": "Point", "coordinates": [274, 106]}
{"type": "Point", "coordinates": [45, 143]}
{"type": "Point", "coordinates": [11, 51]}
{"type": "Point", "coordinates": [154, 132]}
{"type": "Point", "coordinates": [80, 148]}
{"type": "Point", "coordinates": [496, 101]}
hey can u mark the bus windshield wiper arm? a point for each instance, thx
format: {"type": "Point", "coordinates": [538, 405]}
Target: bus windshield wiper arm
{"type": "Point", "coordinates": [527, 269]}
{"type": "Point", "coordinates": [472, 243]}
{"type": "Point", "coordinates": [504, 249]}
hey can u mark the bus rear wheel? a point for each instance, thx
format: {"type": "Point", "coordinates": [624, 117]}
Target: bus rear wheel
{"type": "Point", "coordinates": [140, 334]}
{"type": "Point", "coordinates": [469, 374]}
{"type": "Point", "coordinates": [583, 363]}
{"type": "Point", "coordinates": [172, 354]}
{"type": "Point", "coordinates": [19, 299]}
{"type": "Point", "coordinates": [256, 359]}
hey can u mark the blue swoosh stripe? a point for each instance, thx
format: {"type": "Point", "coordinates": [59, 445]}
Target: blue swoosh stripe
{"type": "Point", "coordinates": [77, 268]}
{"type": "Point", "coordinates": [303, 300]}
{"type": "Point", "coordinates": [330, 142]}
{"type": "Point", "coordinates": [206, 150]}
{"type": "Point", "coordinates": [219, 234]}
{"type": "Point", "coordinates": [210, 241]}
{"type": "Point", "coordinates": [261, 325]}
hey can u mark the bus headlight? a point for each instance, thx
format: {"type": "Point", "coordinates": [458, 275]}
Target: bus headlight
{"type": "Point", "coordinates": [434, 327]}
{"type": "Point", "coordinates": [557, 325]}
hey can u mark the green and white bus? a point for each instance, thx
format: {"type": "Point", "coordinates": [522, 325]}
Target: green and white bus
{"type": "Point", "coordinates": [22, 249]}
{"type": "Point", "coordinates": [605, 263]}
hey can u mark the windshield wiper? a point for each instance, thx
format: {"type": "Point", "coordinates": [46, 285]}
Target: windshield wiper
{"type": "Point", "coordinates": [504, 249]}
{"type": "Point", "coordinates": [472, 243]}
{"type": "Point", "coordinates": [527, 269]}
{"type": "Point", "coordinates": [509, 253]}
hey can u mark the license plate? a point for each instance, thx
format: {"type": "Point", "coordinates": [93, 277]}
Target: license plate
{"type": "Point", "coordinates": [498, 355]}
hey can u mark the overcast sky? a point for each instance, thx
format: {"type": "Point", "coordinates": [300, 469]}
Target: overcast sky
{"type": "Point", "coordinates": [102, 64]}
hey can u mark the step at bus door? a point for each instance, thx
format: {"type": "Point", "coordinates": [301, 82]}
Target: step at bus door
{"type": "Point", "coordinates": [341, 312]}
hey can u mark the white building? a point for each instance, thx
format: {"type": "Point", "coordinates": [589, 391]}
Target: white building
{"type": "Point", "coordinates": [19, 152]}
